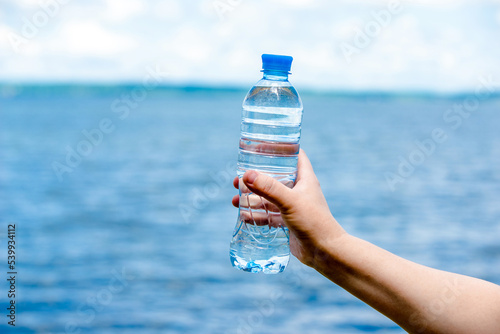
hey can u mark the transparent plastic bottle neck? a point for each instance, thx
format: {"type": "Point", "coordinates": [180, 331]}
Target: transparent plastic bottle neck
{"type": "Point", "coordinates": [275, 75]}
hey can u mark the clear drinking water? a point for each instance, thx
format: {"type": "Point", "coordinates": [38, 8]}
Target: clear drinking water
{"type": "Point", "coordinates": [270, 133]}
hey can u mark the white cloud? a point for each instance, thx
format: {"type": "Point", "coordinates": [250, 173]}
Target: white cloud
{"type": "Point", "coordinates": [121, 10]}
{"type": "Point", "coordinates": [28, 4]}
{"type": "Point", "coordinates": [90, 39]}
{"type": "Point", "coordinates": [299, 3]}
{"type": "Point", "coordinates": [168, 9]}
{"type": "Point", "coordinates": [191, 44]}
{"type": "Point", "coordinates": [5, 45]}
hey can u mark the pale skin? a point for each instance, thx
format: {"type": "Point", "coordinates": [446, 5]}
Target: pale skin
{"type": "Point", "coordinates": [418, 298]}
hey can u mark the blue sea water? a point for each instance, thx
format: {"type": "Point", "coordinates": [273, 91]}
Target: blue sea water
{"type": "Point", "coordinates": [134, 238]}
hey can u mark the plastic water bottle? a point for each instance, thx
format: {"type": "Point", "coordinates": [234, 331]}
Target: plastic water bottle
{"type": "Point", "coordinates": [270, 133]}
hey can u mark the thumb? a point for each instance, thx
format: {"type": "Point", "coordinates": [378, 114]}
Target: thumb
{"type": "Point", "coordinates": [269, 188]}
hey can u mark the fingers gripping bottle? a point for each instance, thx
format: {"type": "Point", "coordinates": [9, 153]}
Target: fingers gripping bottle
{"type": "Point", "coordinates": [270, 133]}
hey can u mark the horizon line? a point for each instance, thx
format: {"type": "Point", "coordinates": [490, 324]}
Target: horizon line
{"type": "Point", "coordinates": [198, 87]}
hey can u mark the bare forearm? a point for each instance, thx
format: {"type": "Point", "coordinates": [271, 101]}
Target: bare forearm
{"type": "Point", "coordinates": [418, 298]}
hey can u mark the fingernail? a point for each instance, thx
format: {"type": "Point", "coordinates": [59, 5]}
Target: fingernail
{"type": "Point", "coordinates": [251, 176]}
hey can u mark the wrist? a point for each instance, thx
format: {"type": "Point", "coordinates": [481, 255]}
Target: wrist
{"type": "Point", "coordinates": [328, 253]}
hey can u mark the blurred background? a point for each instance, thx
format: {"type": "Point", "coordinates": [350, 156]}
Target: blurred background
{"type": "Point", "coordinates": [119, 128]}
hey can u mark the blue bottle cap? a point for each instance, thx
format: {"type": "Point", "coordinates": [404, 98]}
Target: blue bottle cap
{"type": "Point", "coordinates": [276, 63]}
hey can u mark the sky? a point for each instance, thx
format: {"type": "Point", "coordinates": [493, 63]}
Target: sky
{"type": "Point", "coordinates": [416, 45]}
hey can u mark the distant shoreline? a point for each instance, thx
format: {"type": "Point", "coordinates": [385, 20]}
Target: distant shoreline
{"type": "Point", "coordinates": [9, 90]}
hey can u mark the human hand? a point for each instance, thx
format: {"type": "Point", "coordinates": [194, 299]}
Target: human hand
{"type": "Point", "coordinates": [303, 209]}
